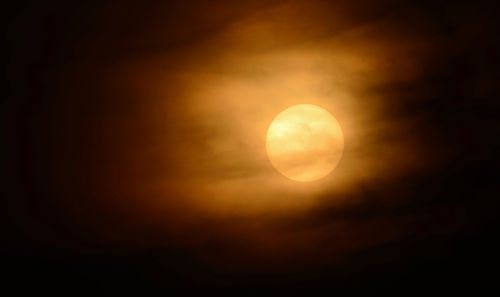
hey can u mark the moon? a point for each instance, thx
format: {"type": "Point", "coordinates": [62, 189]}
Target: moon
{"type": "Point", "coordinates": [304, 142]}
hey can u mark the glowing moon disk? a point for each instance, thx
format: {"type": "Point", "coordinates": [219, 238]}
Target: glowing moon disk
{"type": "Point", "coordinates": [304, 142]}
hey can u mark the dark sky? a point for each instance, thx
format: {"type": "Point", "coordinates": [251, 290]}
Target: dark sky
{"type": "Point", "coordinates": [134, 145]}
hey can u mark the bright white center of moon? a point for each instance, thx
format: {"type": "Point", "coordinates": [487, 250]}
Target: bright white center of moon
{"type": "Point", "coordinates": [304, 142]}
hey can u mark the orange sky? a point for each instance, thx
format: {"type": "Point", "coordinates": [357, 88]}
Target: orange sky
{"type": "Point", "coordinates": [180, 143]}
{"type": "Point", "coordinates": [151, 123]}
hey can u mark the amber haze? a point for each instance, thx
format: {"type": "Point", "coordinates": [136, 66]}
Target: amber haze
{"type": "Point", "coordinates": [135, 145]}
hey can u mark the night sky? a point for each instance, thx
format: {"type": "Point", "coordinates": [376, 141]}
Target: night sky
{"type": "Point", "coordinates": [134, 146]}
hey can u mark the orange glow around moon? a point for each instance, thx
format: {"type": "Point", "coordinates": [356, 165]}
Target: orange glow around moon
{"type": "Point", "coordinates": [305, 142]}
